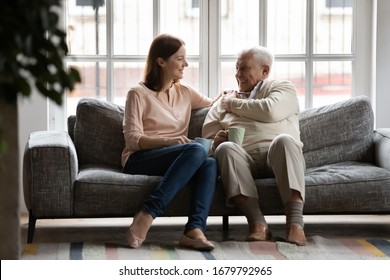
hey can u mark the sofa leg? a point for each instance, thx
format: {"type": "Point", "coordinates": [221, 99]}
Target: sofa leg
{"type": "Point", "coordinates": [225, 222]}
{"type": "Point", "coordinates": [31, 228]}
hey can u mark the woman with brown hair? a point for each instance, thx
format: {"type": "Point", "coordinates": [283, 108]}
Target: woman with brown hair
{"type": "Point", "coordinates": [155, 127]}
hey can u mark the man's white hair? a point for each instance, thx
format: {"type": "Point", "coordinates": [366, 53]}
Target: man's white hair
{"type": "Point", "coordinates": [260, 54]}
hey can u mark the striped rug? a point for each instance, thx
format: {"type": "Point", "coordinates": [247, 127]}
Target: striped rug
{"type": "Point", "coordinates": [318, 248]}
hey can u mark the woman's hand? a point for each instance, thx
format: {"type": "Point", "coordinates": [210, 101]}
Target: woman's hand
{"type": "Point", "coordinates": [215, 99]}
{"type": "Point", "coordinates": [221, 137]}
{"type": "Point", "coordinates": [233, 93]}
{"type": "Point", "coordinates": [177, 140]}
{"type": "Point", "coordinates": [148, 143]}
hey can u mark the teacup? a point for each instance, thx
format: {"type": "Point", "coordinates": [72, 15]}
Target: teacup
{"type": "Point", "coordinates": [236, 135]}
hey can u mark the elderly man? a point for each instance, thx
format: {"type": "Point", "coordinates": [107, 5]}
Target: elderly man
{"type": "Point", "coordinates": [268, 111]}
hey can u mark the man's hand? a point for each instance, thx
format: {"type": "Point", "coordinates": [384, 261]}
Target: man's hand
{"type": "Point", "coordinates": [226, 99]}
{"type": "Point", "coordinates": [221, 137]}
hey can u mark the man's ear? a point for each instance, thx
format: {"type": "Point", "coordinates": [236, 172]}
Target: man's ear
{"type": "Point", "coordinates": [266, 71]}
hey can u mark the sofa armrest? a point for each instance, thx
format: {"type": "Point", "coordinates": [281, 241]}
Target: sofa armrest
{"type": "Point", "coordinates": [50, 167]}
{"type": "Point", "coordinates": [382, 147]}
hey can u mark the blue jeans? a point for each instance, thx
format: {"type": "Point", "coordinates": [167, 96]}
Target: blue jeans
{"type": "Point", "coordinates": [178, 165]}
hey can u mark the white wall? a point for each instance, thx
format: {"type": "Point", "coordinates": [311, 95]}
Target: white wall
{"type": "Point", "coordinates": [32, 113]}
{"type": "Point", "coordinates": [382, 97]}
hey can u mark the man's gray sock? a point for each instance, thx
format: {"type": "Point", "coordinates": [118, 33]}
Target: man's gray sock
{"type": "Point", "coordinates": [251, 209]}
{"type": "Point", "coordinates": [294, 213]}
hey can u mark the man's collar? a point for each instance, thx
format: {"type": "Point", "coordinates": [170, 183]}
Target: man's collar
{"type": "Point", "coordinates": [255, 90]}
{"type": "Point", "coordinates": [251, 94]}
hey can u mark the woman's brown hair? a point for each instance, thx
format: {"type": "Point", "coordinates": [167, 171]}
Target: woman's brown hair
{"type": "Point", "coordinates": [163, 46]}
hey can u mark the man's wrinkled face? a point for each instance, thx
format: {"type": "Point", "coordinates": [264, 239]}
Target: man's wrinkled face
{"type": "Point", "coordinates": [248, 72]}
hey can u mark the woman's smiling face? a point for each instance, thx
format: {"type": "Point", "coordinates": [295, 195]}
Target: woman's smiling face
{"type": "Point", "coordinates": [174, 66]}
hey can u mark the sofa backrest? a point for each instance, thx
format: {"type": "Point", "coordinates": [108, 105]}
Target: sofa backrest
{"type": "Point", "coordinates": [97, 132]}
{"type": "Point", "coordinates": [196, 122]}
{"type": "Point", "coordinates": [334, 133]}
{"type": "Point", "coordinates": [339, 132]}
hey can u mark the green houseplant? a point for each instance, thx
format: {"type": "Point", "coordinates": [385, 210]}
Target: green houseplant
{"type": "Point", "coordinates": [33, 45]}
{"type": "Point", "coordinates": [32, 50]}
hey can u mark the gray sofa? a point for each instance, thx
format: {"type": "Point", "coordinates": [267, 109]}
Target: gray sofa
{"type": "Point", "coordinates": [78, 174]}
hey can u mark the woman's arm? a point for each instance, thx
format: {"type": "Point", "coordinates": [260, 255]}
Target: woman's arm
{"type": "Point", "coordinates": [150, 142]}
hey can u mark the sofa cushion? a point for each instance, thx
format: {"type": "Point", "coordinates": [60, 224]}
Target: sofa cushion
{"type": "Point", "coordinates": [105, 191]}
{"type": "Point", "coordinates": [196, 122]}
{"type": "Point", "coordinates": [339, 132]}
{"type": "Point", "coordinates": [98, 133]}
{"type": "Point", "coordinates": [345, 187]}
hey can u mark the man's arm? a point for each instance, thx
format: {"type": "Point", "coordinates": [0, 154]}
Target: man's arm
{"type": "Point", "coordinates": [279, 103]}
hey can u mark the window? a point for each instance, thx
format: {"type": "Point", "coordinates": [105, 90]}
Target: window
{"type": "Point", "coordinates": [314, 42]}
{"type": "Point", "coordinates": [109, 40]}
{"type": "Point", "coordinates": [313, 45]}
{"type": "Point", "coordinates": [339, 3]}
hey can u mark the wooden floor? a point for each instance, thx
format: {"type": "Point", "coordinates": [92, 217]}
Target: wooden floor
{"type": "Point", "coordinates": [113, 229]}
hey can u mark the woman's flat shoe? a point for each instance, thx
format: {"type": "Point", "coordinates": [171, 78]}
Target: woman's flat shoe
{"type": "Point", "coordinates": [133, 240]}
{"type": "Point", "coordinates": [201, 244]}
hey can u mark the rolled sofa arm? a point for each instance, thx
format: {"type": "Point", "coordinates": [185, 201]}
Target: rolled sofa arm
{"type": "Point", "coordinates": [50, 167]}
{"type": "Point", "coordinates": [382, 147]}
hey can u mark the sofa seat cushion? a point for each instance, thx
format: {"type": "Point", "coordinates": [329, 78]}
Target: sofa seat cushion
{"type": "Point", "coordinates": [350, 172]}
{"type": "Point", "coordinates": [101, 190]}
{"type": "Point", "coordinates": [347, 187]}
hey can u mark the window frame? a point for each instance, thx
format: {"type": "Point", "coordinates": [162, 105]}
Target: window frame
{"type": "Point", "coordinates": [359, 57]}
{"type": "Point", "coordinates": [210, 60]}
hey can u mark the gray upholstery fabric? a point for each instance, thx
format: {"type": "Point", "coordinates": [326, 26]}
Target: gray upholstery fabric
{"type": "Point", "coordinates": [71, 124]}
{"type": "Point", "coordinates": [196, 122]}
{"type": "Point", "coordinates": [382, 147]}
{"type": "Point", "coordinates": [102, 191]}
{"type": "Point", "coordinates": [98, 127]}
{"type": "Point", "coordinates": [339, 132]}
{"type": "Point", "coordinates": [49, 171]}
{"type": "Point", "coordinates": [349, 172]}
{"type": "Point", "coordinates": [355, 187]}
{"type": "Point", "coordinates": [346, 187]}
{"type": "Point", "coordinates": [98, 133]}
{"type": "Point", "coordinates": [105, 191]}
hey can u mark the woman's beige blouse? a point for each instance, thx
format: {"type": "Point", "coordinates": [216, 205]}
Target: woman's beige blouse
{"type": "Point", "coordinates": [146, 114]}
